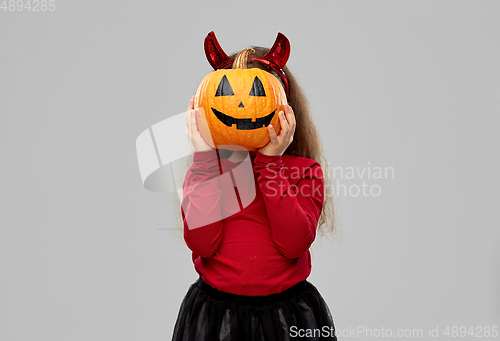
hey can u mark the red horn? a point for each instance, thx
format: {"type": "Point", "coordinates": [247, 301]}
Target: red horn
{"type": "Point", "coordinates": [215, 54]}
{"type": "Point", "coordinates": [279, 53]}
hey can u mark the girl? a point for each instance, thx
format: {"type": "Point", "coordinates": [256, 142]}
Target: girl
{"type": "Point", "coordinates": [253, 262]}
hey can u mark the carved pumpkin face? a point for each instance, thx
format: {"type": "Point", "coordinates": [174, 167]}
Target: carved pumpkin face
{"type": "Point", "coordinates": [236, 106]}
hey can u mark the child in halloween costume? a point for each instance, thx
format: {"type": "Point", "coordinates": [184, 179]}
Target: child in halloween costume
{"type": "Point", "coordinates": [253, 262]}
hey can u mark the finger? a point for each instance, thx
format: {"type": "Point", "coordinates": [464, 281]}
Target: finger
{"type": "Point", "coordinates": [272, 134]}
{"type": "Point", "coordinates": [191, 103]}
{"type": "Point", "coordinates": [291, 118]}
{"type": "Point", "coordinates": [191, 129]}
{"type": "Point", "coordinates": [194, 125]}
{"type": "Point", "coordinates": [188, 123]}
{"type": "Point", "coordinates": [285, 129]}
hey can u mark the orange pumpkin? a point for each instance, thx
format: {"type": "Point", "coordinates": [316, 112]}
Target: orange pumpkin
{"type": "Point", "coordinates": [236, 105]}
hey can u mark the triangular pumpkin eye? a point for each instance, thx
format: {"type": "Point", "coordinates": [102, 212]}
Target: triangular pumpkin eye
{"type": "Point", "coordinates": [257, 88]}
{"type": "Point", "coordinates": [224, 88]}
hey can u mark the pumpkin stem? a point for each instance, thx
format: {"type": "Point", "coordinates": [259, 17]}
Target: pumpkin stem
{"type": "Point", "coordinates": [240, 62]}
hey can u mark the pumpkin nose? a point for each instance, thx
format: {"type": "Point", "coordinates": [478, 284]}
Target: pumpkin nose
{"type": "Point", "coordinates": [241, 105]}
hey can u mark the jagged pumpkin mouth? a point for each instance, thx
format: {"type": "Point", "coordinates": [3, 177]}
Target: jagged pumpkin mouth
{"type": "Point", "coordinates": [244, 123]}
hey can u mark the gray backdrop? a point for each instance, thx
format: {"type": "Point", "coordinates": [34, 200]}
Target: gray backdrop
{"type": "Point", "coordinates": [86, 252]}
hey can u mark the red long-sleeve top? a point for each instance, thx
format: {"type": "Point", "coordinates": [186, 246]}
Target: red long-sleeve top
{"type": "Point", "coordinates": [250, 228]}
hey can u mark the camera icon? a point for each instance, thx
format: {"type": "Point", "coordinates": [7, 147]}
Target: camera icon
{"type": "Point", "coordinates": [164, 148]}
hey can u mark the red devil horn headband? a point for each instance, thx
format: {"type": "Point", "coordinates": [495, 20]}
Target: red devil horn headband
{"type": "Point", "coordinates": [276, 58]}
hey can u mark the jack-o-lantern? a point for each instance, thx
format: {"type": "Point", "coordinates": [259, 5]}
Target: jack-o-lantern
{"type": "Point", "coordinates": [235, 106]}
{"type": "Point", "coordinates": [238, 105]}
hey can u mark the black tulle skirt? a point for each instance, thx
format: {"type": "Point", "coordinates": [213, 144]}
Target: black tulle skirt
{"type": "Point", "coordinates": [298, 313]}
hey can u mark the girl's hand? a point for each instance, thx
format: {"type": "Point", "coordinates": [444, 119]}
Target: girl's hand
{"type": "Point", "coordinates": [192, 131]}
{"type": "Point", "coordinates": [279, 144]}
